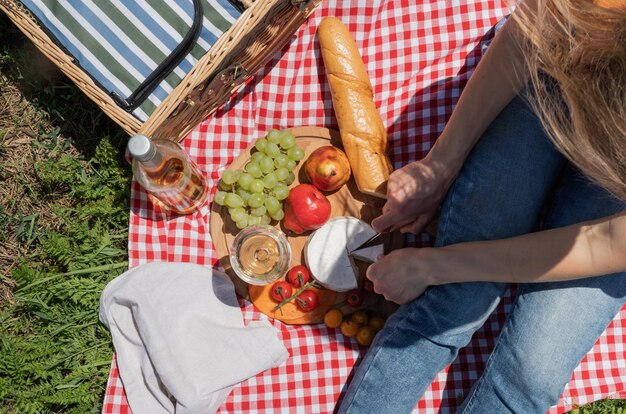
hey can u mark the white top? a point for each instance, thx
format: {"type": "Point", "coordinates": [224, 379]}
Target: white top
{"type": "Point", "coordinates": [141, 148]}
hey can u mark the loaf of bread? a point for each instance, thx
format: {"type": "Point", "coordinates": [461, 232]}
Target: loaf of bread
{"type": "Point", "coordinates": [363, 134]}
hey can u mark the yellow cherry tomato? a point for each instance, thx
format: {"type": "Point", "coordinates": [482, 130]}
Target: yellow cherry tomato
{"type": "Point", "coordinates": [349, 328]}
{"type": "Point", "coordinates": [333, 318]}
{"type": "Point", "coordinates": [359, 317]}
{"type": "Point", "coordinates": [376, 323]}
{"type": "Point", "coordinates": [365, 335]}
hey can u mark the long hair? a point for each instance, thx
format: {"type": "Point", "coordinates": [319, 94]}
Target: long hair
{"type": "Point", "coordinates": [576, 55]}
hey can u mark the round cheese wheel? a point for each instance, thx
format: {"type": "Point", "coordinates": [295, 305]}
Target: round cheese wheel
{"type": "Point", "coordinates": [327, 252]}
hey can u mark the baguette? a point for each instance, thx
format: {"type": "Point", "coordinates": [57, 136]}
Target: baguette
{"type": "Point", "coordinates": [363, 134]}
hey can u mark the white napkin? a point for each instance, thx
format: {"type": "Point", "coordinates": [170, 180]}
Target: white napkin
{"type": "Point", "coordinates": [180, 340]}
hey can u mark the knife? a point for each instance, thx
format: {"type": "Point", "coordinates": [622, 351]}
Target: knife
{"type": "Point", "coordinates": [372, 241]}
{"type": "Point", "coordinates": [375, 240]}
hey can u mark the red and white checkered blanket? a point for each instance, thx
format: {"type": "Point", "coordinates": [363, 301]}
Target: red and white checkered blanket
{"type": "Point", "coordinates": [419, 56]}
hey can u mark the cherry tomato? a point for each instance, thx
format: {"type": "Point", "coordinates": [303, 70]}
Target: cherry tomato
{"type": "Point", "coordinates": [333, 318]}
{"type": "Point", "coordinates": [349, 328]}
{"type": "Point", "coordinates": [354, 298]}
{"type": "Point", "coordinates": [281, 290]}
{"type": "Point", "coordinates": [360, 318]}
{"type": "Point", "coordinates": [307, 300]}
{"type": "Point", "coordinates": [365, 335]}
{"type": "Point", "coordinates": [376, 323]}
{"type": "Point", "coordinates": [298, 276]}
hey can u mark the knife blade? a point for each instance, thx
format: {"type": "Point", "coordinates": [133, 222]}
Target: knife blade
{"type": "Point", "coordinates": [379, 238]}
{"type": "Point", "coordinates": [372, 241]}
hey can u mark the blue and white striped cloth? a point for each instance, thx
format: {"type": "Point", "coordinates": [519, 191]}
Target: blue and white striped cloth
{"type": "Point", "coordinates": [119, 43]}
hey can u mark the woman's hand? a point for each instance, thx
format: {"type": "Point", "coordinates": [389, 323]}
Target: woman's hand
{"type": "Point", "coordinates": [414, 193]}
{"type": "Point", "coordinates": [404, 274]}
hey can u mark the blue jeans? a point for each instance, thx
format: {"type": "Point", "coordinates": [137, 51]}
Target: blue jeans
{"type": "Point", "coordinates": [513, 182]}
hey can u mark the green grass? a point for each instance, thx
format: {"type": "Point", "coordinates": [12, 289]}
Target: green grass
{"type": "Point", "coordinates": [64, 203]}
{"type": "Point", "coordinates": [602, 407]}
{"type": "Point", "coordinates": [64, 207]}
{"type": "Point", "coordinates": [54, 354]}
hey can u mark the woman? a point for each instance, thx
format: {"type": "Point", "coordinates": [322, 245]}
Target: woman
{"type": "Point", "coordinates": [518, 207]}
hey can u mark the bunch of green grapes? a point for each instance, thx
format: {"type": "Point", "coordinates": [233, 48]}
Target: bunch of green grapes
{"type": "Point", "coordinates": [254, 195]}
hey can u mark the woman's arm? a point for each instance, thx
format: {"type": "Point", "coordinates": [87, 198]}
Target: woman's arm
{"type": "Point", "coordinates": [499, 76]}
{"type": "Point", "coordinates": [586, 249]}
{"type": "Point", "coordinates": [415, 191]}
{"type": "Point", "coordinates": [581, 250]}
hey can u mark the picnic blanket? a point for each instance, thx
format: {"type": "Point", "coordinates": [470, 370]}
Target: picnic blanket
{"type": "Point", "coordinates": [419, 56]}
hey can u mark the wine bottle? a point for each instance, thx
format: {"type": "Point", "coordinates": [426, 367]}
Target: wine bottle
{"type": "Point", "coordinates": [165, 171]}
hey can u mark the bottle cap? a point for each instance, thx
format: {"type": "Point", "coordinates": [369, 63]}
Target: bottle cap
{"type": "Point", "coordinates": [141, 148]}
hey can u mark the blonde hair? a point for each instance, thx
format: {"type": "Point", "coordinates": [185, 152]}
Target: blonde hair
{"type": "Point", "coordinates": [576, 55]}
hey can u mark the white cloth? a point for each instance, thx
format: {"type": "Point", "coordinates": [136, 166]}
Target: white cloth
{"type": "Point", "coordinates": [180, 340]}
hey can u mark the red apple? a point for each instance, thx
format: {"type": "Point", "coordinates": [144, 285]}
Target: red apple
{"type": "Point", "coordinates": [306, 208]}
{"type": "Point", "coordinates": [327, 168]}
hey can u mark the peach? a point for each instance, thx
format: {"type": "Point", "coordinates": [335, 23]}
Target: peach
{"type": "Point", "coordinates": [327, 168]}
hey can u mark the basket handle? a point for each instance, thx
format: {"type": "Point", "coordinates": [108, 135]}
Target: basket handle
{"type": "Point", "coordinates": [248, 64]}
{"type": "Point", "coordinates": [208, 95]}
{"type": "Point", "coordinates": [221, 85]}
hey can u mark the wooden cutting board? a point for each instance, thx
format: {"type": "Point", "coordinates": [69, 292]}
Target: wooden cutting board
{"type": "Point", "coordinates": [347, 201]}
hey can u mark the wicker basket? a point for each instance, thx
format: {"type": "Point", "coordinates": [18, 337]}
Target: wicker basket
{"type": "Point", "coordinates": [264, 28]}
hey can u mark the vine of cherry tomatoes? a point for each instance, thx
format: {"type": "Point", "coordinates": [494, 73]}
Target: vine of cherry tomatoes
{"type": "Point", "coordinates": [358, 324]}
{"type": "Point", "coordinates": [295, 283]}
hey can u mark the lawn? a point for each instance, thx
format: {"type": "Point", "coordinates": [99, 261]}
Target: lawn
{"type": "Point", "coordinates": [64, 203]}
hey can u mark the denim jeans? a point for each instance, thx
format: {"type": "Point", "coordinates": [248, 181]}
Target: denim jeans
{"type": "Point", "coordinates": [514, 182]}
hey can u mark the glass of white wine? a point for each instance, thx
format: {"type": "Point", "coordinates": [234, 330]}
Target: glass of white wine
{"type": "Point", "coordinates": [260, 255]}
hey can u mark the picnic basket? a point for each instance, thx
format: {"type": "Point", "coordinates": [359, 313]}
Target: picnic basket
{"type": "Point", "coordinates": [262, 29]}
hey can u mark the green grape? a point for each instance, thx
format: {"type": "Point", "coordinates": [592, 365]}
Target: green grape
{"type": "Point", "coordinates": [291, 165]}
{"type": "Point", "coordinates": [291, 177]}
{"type": "Point", "coordinates": [256, 200]}
{"type": "Point", "coordinates": [254, 169]}
{"type": "Point", "coordinates": [229, 177]}
{"type": "Point", "coordinates": [267, 164]}
{"type": "Point", "coordinates": [244, 181]}
{"type": "Point", "coordinates": [257, 156]}
{"type": "Point", "coordinates": [257, 186]}
{"type": "Point", "coordinates": [281, 174]}
{"type": "Point", "coordinates": [272, 205]}
{"type": "Point", "coordinates": [237, 213]}
{"type": "Point", "coordinates": [254, 220]}
{"type": "Point", "coordinates": [245, 195]}
{"type": "Point", "coordinates": [265, 219]}
{"type": "Point", "coordinates": [273, 150]}
{"type": "Point", "coordinates": [281, 160]}
{"type": "Point", "coordinates": [219, 197]}
{"type": "Point", "coordinates": [287, 140]}
{"type": "Point", "coordinates": [260, 144]}
{"type": "Point", "coordinates": [259, 211]}
{"type": "Point", "coordinates": [223, 186]}
{"type": "Point", "coordinates": [270, 180]}
{"type": "Point", "coordinates": [243, 223]}
{"type": "Point", "coordinates": [278, 216]}
{"type": "Point", "coordinates": [280, 191]}
{"type": "Point", "coordinates": [295, 153]}
{"type": "Point", "coordinates": [233, 200]}
{"type": "Point", "coordinates": [273, 136]}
